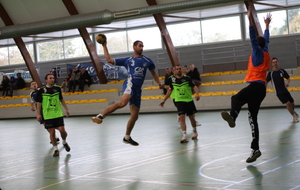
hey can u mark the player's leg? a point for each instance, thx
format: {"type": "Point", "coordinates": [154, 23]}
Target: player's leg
{"type": "Point", "coordinates": [53, 141]}
{"type": "Point", "coordinates": [63, 133]}
{"type": "Point", "coordinates": [110, 109]}
{"type": "Point", "coordinates": [134, 115]}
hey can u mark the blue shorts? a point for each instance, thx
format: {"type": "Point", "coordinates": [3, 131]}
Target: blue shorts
{"type": "Point", "coordinates": [134, 91]}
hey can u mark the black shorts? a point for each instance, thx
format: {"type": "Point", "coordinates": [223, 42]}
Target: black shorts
{"type": "Point", "coordinates": [187, 108]}
{"type": "Point", "coordinates": [285, 97]}
{"type": "Point", "coordinates": [54, 123]}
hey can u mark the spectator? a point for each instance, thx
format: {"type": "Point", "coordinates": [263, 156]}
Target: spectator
{"type": "Point", "coordinates": [20, 83]}
{"type": "Point", "coordinates": [12, 85]}
{"type": "Point", "coordinates": [84, 79]}
{"type": "Point", "coordinates": [5, 85]}
{"type": "Point", "coordinates": [184, 70]}
{"type": "Point", "coordinates": [74, 80]}
{"type": "Point", "coordinates": [195, 75]}
{"type": "Point", "coordinates": [69, 74]}
{"type": "Point", "coordinates": [64, 85]}
{"type": "Point", "coordinates": [166, 85]}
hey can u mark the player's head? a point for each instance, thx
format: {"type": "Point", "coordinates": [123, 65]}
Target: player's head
{"type": "Point", "coordinates": [33, 85]}
{"type": "Point", "coordinates": [50, 79]}
{"type": "Point", "coordinates": [275, 62]}
{"type": "Point", "coordinates": [138, 47]}
{"type": "Point", "coordinates": [261, 41]}
{"type": "Point", "coordinates": [178, 70]}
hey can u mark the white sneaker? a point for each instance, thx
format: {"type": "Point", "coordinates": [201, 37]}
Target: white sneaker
{"type": "Point", "coordinates": [295, 118]}
{"type": "Point", "coordinates": [184, 139]}
{"type": "Point", "coordinates": [195, 135]}
{"type": "Point", "coordinates": [198, 124]}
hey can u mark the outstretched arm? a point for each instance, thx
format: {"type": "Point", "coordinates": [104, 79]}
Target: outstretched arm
{"type": "Point", "coordinates": [156, 78]}
{"type": "Point", "coordinates": [106, 54]}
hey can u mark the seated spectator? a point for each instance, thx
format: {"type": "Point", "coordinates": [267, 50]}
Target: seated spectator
{"type": "Point", "coordinates": [20, 83]}
{"type": "Point", "coordinates": [12, 85]}
{"type": "Point", "coordinates": [74, 80]}
{"type": "Point", "coordinates": [195, 75]}
{"type": "Point", "coordinates": [64, 85]}
{"type": "Point", "coordinates": [166, 85]}
{"type": "Point", "coordinates": [5, 85]}
{"type": "Point", "coordinates": [69, 74]}
{"type": "Point", "coordinates": [184, 70]}
{"type": "Point", "coordinates": [84, 79]}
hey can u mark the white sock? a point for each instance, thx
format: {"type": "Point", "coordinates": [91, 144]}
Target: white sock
{"type": "Point", "coordinates": [64, 141]}
{"type": "Point", "coordinates": [127, 137]}
{"type": "Point", "coordinates": [55, 147]}
{"type": "Point", "coordinates": [194, 129]}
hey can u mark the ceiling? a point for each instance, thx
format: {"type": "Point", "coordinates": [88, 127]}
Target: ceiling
{"type": "Point", "coordinates": [31, 11]}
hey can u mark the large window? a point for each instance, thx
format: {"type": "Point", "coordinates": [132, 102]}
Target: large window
{"type": "Point", "coordinates": [116, 42]}
{"type": "Point", "coordinates": [50, 50]}
{"type": "Point", "coordinates": [185, 33]}
{"type": "Point", "coordinates": [75, 47]}
{"type": "Point", "coordinates": [149, 36]}
{"type": "Point", "coordinates": [4, 56]}
{"type": "Point", "coordinates": [221, 29]}
{"type": "Point", "coordinates": [294, 20]}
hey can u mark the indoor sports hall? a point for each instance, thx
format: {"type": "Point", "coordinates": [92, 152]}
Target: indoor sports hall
{"type": "Point", "coordinates": [42, 37]}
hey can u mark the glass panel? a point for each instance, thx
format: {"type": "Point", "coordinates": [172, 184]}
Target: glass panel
{"type": "Point", "coordinates": [15, 56]}
{"type": "Point", "coordinates": [50, 50]}
{"type": "Point", "coordinates": [149, 36]}
{"type": "Point", "coordinates": [3, 56]}
{"type": "Point", "coordinates": [75, 47]}
{"type": "Point", "coordinates": [116, 43]}
{"type": "Point", "coordinates": [221, 29]}
{"type": "Point", "coordinates": [294, 20]}
{"type": "Point", "coordinates": [185, 33]}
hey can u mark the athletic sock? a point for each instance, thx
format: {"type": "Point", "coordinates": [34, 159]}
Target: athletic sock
{"type": "Point", "coordinates": [194, 129]}
{"type": "Point", "coordinates": [64, 141]}
{"type": "Point", "coordinates": [127, 137]}
{"type": "Point", "coordinates": [100, 116]}
{"type": "Point", "coordinates": [55, 147]}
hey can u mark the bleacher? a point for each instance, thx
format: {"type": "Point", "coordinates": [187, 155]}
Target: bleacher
{"type": "Point", "coordinates": [215, 92]}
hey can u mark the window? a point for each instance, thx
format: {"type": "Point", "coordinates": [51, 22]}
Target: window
{"type": "Point", "coordinates": [75, 47]}
{"type": "Point", "coordinates": [116, 42]}
{"type": "Point", "coordinates": [294, 20]}
{"type": "Point", "coordinates": [185, 33]}
{"type": "Point", "coordinates": [3, 56]}
{"type": "Point", "coordinates": [221, 29]}
{"type": "Point", "coordinates": [149, 36]}
{"type": "Point", "coordinates": [50, 50]}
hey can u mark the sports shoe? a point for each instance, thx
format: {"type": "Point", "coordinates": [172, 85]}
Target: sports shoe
{"type": "Point", "coordinates": [130, 141]}
{"type": "Point", "coordinates": [295, 118]}
{"type": "Point", "coordinates": [296, 114]}
{"type": "Point", "coordinates": [184, 139]}
{"type": "Point", "coordinates": [56, 153]}
{"type": "Point", "coordinates": [253, 156]}
{"type": "Point", "coordinates": [67, 147]}
{"type": "Point", "coordinates": [228, 118]}
{"type": "Point", "coordinates": [57, 141]}
{"type": "Point", "coordinates": [198, 124]}
{"type": "Point", "coordinates": [98, 119]}
{"type": "Point", "coordinates": [195, 135]}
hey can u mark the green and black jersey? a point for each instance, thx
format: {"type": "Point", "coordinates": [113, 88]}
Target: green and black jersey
{"type": "Point", "coordinates": [182, 88]}
{"type": "Point", "coordinates": [50, 100]}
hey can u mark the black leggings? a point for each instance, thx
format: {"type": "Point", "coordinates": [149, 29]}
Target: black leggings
{"type": "Point", "coordinates": [253, 95]}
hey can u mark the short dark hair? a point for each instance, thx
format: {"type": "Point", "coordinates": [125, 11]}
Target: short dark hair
{"type": "Point", "coordinates": [261, 41]}
{"type": "Point", "coordinates": [46, 77]}
{"type": "Point", "coordinates": [136, 42]}
{"type": "Point", "coordinates": [275, 58]}
{"type": "Point", "coordinates": [32, 81]}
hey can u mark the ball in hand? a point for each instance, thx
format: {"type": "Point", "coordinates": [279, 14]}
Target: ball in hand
{"type": "Point", "coordinates": [101, 38]}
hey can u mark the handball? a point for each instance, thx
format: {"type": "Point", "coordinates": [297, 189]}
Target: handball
{"type": "Point", "coordinates": [101, 38]}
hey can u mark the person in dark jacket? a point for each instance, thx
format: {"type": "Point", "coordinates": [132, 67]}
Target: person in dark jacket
{"type": "Point", "coordinates": [84, 79]}
{"type": "Point", "coordinates": [5, 85]}
{"type": "Point", "coordinates": [195, 75]}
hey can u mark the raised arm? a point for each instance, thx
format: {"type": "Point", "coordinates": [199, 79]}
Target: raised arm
{"type": "Point", "coordinates": [106, 54]}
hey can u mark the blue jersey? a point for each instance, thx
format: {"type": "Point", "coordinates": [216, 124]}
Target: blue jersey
{"type": "Point", "coordinates": [137, 68]}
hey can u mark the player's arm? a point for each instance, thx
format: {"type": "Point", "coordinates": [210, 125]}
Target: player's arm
{"type": "Point", "coordinates": [32, 106]}
{"type": "Point", "coordinates": [107, 55]}
{"type": "Point", "coordinates": [197, 97]}
{"type": "Point", "coordinates": [62, 101]}
{"type": "Point", "coordinates": [166, 97]}
{"type": "Point", "coordinates": [38, 111]}
{"type": "Point", "coordinates": [156, 78]}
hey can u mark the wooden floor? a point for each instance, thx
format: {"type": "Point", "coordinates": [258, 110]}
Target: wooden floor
{"type": "Point", "coordinates": [100, 160]}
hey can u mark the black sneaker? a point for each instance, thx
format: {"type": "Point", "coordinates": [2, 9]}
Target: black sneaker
{"type": "Point", "coordinates": [57, 141]}
{"type": "Point", "coordinates": [253, 156]}
{"type": "Point", "coordinates": [130, 141]}
{"type": "Point", "coordinates": [228, 118]}
{"type": "Point", "coordinates": [56, 153]}
{"type": "Point", "coordinates": [67, 147]}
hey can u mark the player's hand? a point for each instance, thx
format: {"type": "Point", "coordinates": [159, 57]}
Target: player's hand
{"type": "Point", "coordinates": [32, 108]}
{"type": "Point", "coordinates": [287, 84]}
{"type": "Point", "coordinates": [39, 117]}
{"type": "Point", "coordinates": [161, 86]}
{"type": "Point", "coordinates": [162, 104]}
{"type": "Point", "coordinates": [67, 112]}
{"type": "Point", "coordinates": [197, 97]}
